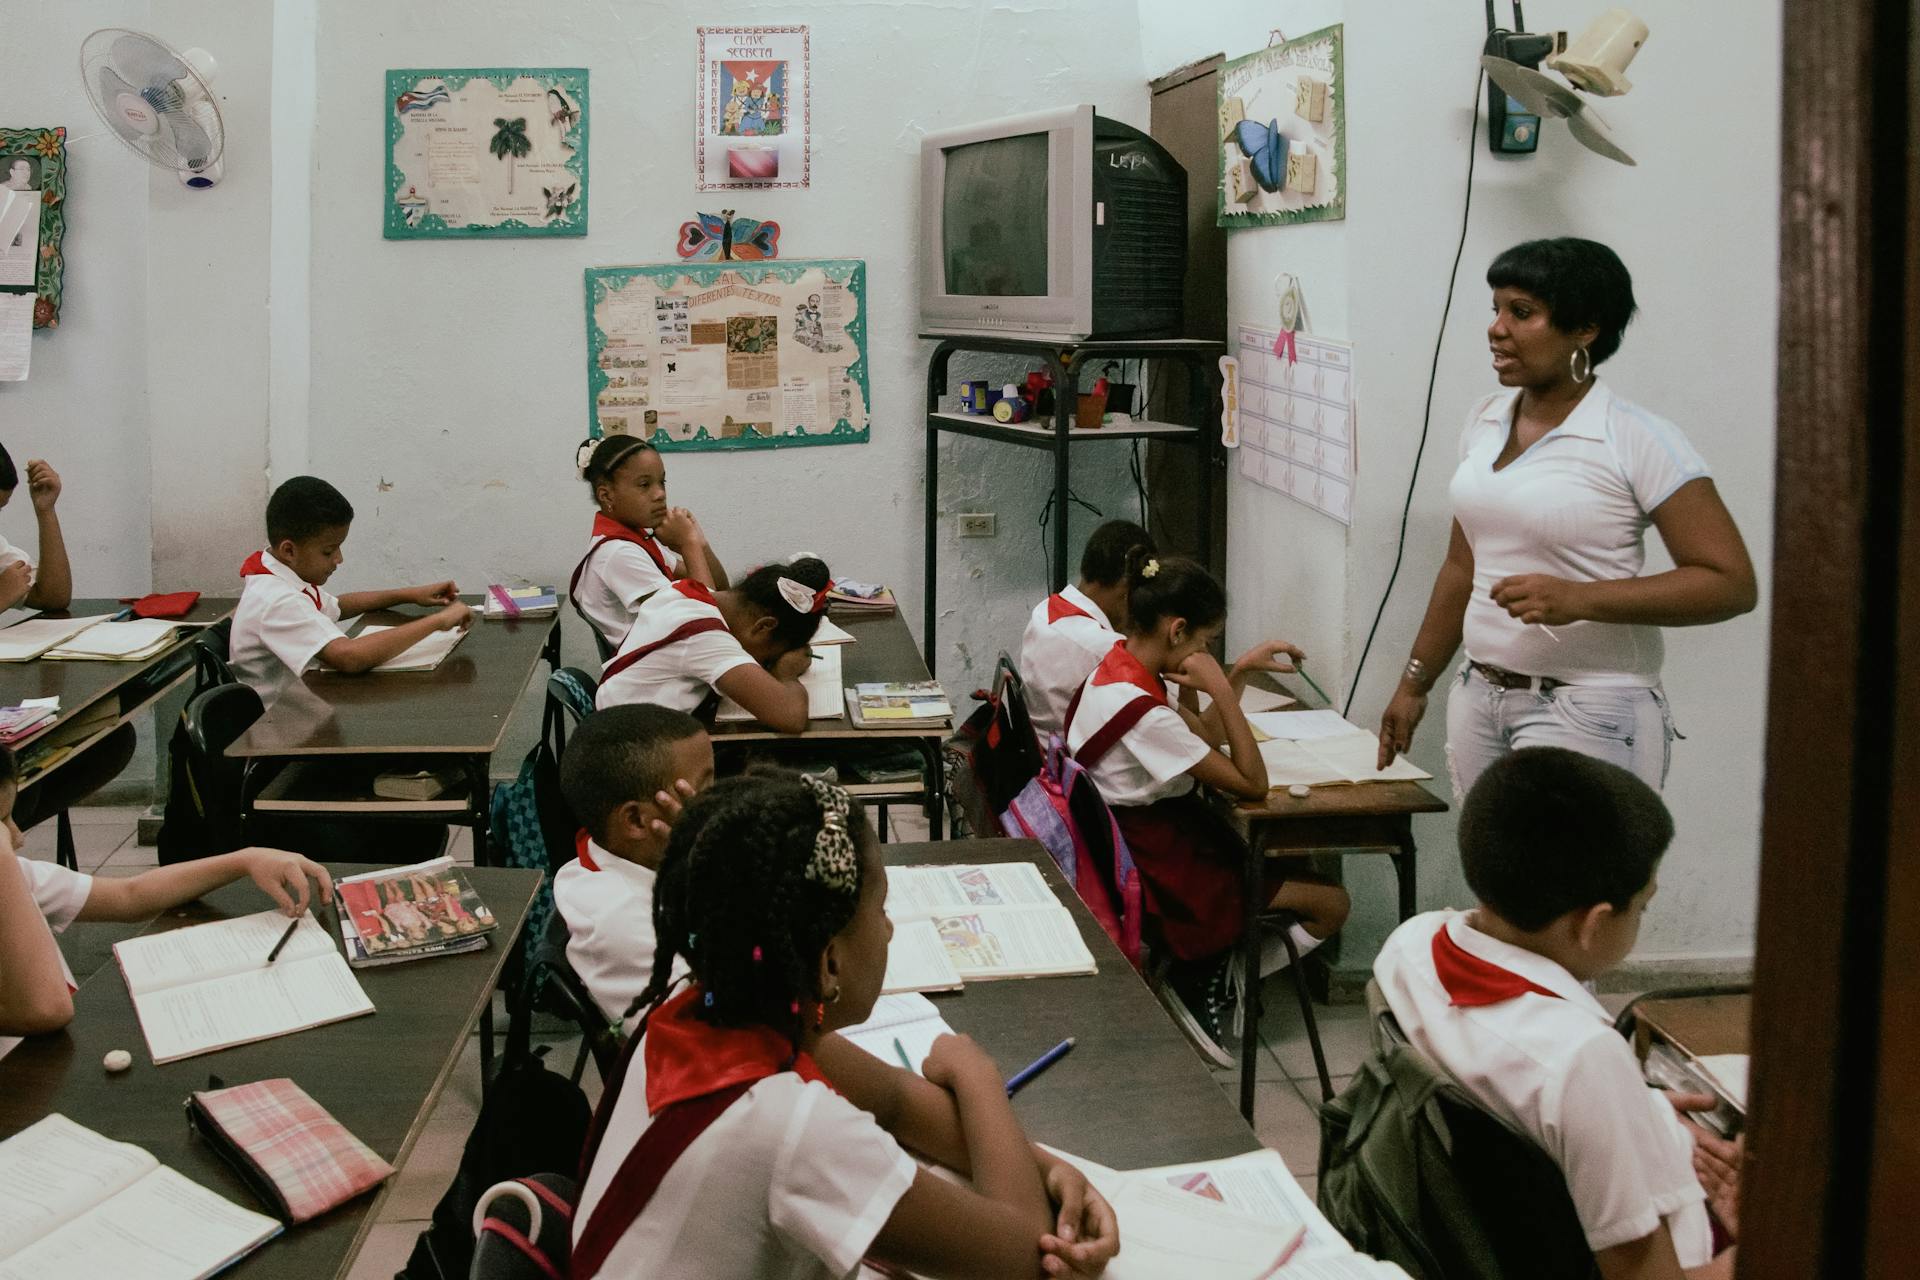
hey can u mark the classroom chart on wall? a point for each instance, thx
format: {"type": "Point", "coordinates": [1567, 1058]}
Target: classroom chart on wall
{"type": "Point", "coordinates": [1283, 133]}
{"type": "Point", "coordinates": [486, 151]}
{"type": "Point", "coordinates": [739, 355]}
{"type": "Point", "coordinates": [754, 118]}
{"type": "Point", "coordinates": [33, 221]}
{"type": "Point", "coordinates": [1296, 418]}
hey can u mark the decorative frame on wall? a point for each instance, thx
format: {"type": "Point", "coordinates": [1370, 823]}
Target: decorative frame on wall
{"type": "Point", "coordinates": [439, 184]}
{"type": "Point", "coordinates": [729, 355]}
{"type": "Point", "coordinates": [42, 155]}
{"type": "Point", "coordinates": [1293, 167]}
{"type": "Point", "coordinates": [754, 120]}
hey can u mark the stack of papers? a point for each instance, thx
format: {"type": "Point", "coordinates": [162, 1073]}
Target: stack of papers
{"type": "Point", "coordinates": [822, 683]}
{"type": "Point", "coordinates": [25, 641]}
{"type": "Point", "coordinates": [423, 656]}
{"type": "Point", "coordinates": [17, 722]}
{"type": "Point", "coordinates": [133, 640]}
{"type": "Point", "coordinates": [520, 602]}
{"type": "Point", "coordinates": [901, 1025]}
{"type": "Point", "coordinates": [1322, 748]}
{"type": "Point", "coordinates": [998, 921]}
{"type": "Point", "coordinates": [866, 598]}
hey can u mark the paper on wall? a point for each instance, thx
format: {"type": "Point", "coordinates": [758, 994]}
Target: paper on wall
{"type": "Point", "coordinates": [16, 336]}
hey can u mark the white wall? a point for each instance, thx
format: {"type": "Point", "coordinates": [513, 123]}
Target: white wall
{"type": "Point", "coordinates": [1695, 222]}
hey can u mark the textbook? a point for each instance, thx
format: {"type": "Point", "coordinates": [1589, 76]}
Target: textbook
{"type": "Point", "coordinates": [80, 1204]}
{"type": "Point", "coordinates": [920, 705]}
{"type": "Point", "coordinates": [425, 655]}
{"type": "Point", "coordinates": [410, 913]}
{"type": "Point", "coordinates": [821, 681]}
{"type": "Point", "coordinates": [133, 640]}
{"type": "Point", "coordinates": [25, 641]}
{"type": "Point", "coordinates": [868, 599]}
{"type": "Point", "coordinates": [998, 921]}
{"type": "Point", "coordinates": [520, 602]}
{"type": "Point", "coordinates": [1337, 758]}
{"type": "Point", "coordinates": [917, 960]}
{"type": "Point", "coordinates": [209, 986]}
{"type": "Point", "coordinates": [905, 1023]}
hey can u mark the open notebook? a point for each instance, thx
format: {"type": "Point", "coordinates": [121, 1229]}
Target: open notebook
{"type": "Point", "coordinates": [424, 655]}
{"type": "Point", "coordinates": [996, 921]}
{"type": "Point", "coordinates": [209, 987]}
{"type": "Point", "coordinates": [822, 683]}
{"type": "Point", "coordinates": [25, 641]}
{"type": "Point", "coordinates": [900, 1027]}
{"type": "Point", "coordinates": [131, 640]}
{"type": "Point", "coordinates": [74, 1203]}
{"type": "Point", "coordinates": [1321, 748]}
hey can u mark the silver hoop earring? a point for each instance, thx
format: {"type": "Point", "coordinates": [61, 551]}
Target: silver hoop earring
{"type": "Point", "coordinates": [1580, 364]}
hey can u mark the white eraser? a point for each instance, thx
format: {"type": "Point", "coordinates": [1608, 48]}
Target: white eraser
{"type": "Point", "coordinates": [117, 1060]}
{"type": "Point", "coordinates": [1299, 791]}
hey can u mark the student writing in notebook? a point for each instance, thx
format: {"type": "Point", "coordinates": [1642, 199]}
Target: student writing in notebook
{"type": "Point", "coordinates": [1071, 631]}
{"type": "Point", "coordinates": [689, 645]}
{"type": "Point", "coordinates": [1562, 851]}
{"type": "Point", "coordinates": [639, 543]}
{"type": "Point", "coordinates": [286, 618]}
{"type": "Point", "coordinates": [39, 898]}
{"type": "Point", "coordinates": [1147, 754]}
{"type": "Point", "coordinates": [721, 1149]}
{"type": "Point", "coordinates": [625, 774]}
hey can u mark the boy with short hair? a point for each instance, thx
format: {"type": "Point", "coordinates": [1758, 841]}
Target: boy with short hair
{"type": "Point", "coordinates": [1561, 850]}
{"type": "Point", "coordinates": [39, 899]}
{"type": "Point", "coordinates": [286, 619]}
{"type": "Point", "coordinates": [1070, 632]}
{"type": "Point", "coordinates": [625, 773]}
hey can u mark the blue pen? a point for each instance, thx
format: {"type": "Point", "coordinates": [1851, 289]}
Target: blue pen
{"type": "Point", "coordinates": [121, 616]}
{"type": "Point", "coordinates": [1039, 1064]}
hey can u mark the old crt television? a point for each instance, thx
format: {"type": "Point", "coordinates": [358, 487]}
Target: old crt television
{"type": "Point", "coordinates": [1060, 225]}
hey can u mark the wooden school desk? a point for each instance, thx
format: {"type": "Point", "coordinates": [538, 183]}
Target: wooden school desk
{"type": "Point", "coordinates": [379, 1075]}
{"type": "Point", "coordinates": [87, 688]}
{"type": "Point", "coordinates": [451, 717]}
{"type": "Point", "coordinates": [883, 652]}
{"type": "Point", "coordinates": [1702, 1026]}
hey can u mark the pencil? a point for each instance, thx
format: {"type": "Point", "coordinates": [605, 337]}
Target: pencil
{"type": "Point", "coordinates": [901, 1049]}
{"type": "Point", "coordinates": [284, 939]}
{"type": "Point", "coordinates": [1039, 1064]}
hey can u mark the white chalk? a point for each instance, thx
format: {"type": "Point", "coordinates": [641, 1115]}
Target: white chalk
{"type": "Point", "coordinates": [117, 1060]}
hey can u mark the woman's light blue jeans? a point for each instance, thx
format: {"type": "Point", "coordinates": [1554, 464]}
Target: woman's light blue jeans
{"type": "Point", "coordinates": [1632, 728]}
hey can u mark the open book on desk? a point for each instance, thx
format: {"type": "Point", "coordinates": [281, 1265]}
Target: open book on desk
{"type": "Point", "coordinates": [423, 655]}
{"type": "Point", "coordinates": [25, 641]}
{"type": "Point", "coordinates": [821, 681]}
{"type": "Point", "coordinates": [995, 921]}
{"type": "Point", "coordinates": [74, 1203]}
{"type": "Point", "coordinates": [209, 987]}
{"type": "Point", "coordinates": [1335, 759]}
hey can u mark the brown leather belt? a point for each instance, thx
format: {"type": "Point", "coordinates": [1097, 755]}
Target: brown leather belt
{"type": "Point", "coordinates": [1502, 678]}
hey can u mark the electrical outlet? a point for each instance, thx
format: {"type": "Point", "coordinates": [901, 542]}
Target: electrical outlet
{"type": "Point", "coordinates": [976, 524]}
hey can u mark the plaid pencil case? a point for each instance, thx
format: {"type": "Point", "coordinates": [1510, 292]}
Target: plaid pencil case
{"type": "Point", "coordinates": [296, 1157]}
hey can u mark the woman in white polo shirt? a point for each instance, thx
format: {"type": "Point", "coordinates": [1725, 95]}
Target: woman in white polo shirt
{"type": "Point", "coordinates": [1557, 483]}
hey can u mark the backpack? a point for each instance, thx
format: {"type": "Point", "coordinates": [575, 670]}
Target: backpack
{"type": "Point", "coordinates": [997, 752]}
{"type": "Point", "coordinates": [530, 824]}
{"type": "Point", "coordinates": [533, 1121]}
{"type": "Point", "coordinates": [523, 1228]}
{"type": "Point", "coordinates": [1413, 1171]}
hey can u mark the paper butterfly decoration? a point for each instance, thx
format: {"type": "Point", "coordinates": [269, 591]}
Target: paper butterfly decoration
{"type": "Point", "coordinates": [727, 238]}
{"type": "Point", "coordinates": [1266, 148]}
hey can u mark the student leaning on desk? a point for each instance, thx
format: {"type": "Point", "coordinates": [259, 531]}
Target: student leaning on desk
{"type": "Point", "coordinates": [41, 898]}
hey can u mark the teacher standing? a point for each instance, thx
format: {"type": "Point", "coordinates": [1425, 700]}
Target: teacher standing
{"type": "Point", "coordinates": [1559, 478]}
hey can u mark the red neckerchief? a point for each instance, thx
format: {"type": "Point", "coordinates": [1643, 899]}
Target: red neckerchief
{"type": "Point", "coordinates": [255, 566]}
{"type": "Point", "coordinates": [688, 1057]}
{"type": "Point", "coordinates": [1059, 607]}
{"type": "Point", "coordinates": [606, 527]}
{"type": "Point", "coordinates": [580, 850]}
{"type": "Point", "coordinates": [1472, 982]}
{"type": "Point", "coordinates": [694, 589]}
{"type": "Point", "coordinates": [1121, 667]}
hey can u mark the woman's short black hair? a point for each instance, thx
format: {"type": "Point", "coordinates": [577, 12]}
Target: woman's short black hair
{"type": "Point", "coordinates": [610, 455]}
{"type": "Point", "coordinates": [791, 627]}
{"type": "Point", "coordinates": [305, 506]}
{"type": "Point", "coordinates": [1546, 831]}
{"type": "Point", "coordinates": [1104, 562]}
{"type": "Point", "coordinates": [1171, 587]}
{"type": "Point", "coordinates": [1582, 282]}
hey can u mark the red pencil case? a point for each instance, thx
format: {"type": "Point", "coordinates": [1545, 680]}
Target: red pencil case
{"type": "Point", "coordinates": [171, 604]}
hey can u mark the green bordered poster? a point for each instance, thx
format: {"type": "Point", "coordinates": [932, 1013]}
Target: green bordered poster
{"type": "Point", "coordinates": [1283, 133]}
{"type": "Point", "coordinates": [486, 151]}
{"type": "Point", "coordinates": [734, 355]}
{"type": "Point", "coordinates": [33, 166]}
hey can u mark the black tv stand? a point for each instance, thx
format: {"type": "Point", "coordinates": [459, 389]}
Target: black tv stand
{"type": "Point", "coordinates": [1198, 356]}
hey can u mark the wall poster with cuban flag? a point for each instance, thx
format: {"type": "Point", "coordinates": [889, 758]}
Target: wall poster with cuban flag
{"type": "Point", "coordinates": [753, 124]}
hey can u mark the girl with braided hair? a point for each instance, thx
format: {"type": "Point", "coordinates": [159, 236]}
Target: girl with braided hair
{"type": "Point", "coordinates": [742, 1136]}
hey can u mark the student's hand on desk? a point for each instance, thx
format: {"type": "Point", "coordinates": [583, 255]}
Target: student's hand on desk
{"type": "Point", "coordinates": [1541, 598]}
{"type": "Point", "coordinates": [671, 805]}
{"type": "Point", "coordinates": [1264, 657]}
{"type": "Point", "coordinates": [283, 877]}
{"type": "Point", "coordinates": [793, 664]}
{"type": "Point", "coordinates": [43, 485]}
{"type": "Point", "coordinates": [1202, 672]}
{"type": "Point", "coordinates": [1398, 721]}
{"type": "Point", "coordinates": [432, 594]}
{"type": "Point", "coordinates": [454, 615]}
{"type": "Point", "coordinates": [1086, 1235]}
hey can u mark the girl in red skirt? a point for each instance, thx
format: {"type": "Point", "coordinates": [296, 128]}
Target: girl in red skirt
{"type": "Point", "coordinates": [1145, 752]}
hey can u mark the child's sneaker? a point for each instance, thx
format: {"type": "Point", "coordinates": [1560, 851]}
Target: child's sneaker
{"type": "Point", "coordinates": [1200, 1001]}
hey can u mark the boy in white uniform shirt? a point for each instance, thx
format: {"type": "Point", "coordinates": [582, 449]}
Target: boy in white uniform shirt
{"type": "Point", "coordinates": [51, 585]}
{"type": "Point", "coordinates": [1070, 632]}
{"type": "Point", "coordinates": [1561, 850]}
{"type": "Point", "coordinates": [286, 618]}
{"type": "Point", "coordinates": [625, 774]}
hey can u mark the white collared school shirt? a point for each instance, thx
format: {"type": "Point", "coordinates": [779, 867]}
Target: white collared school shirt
{"type": "Point", "coordinates": [607, 903]}
{"type": "Point", "coordinates": [1066, 637]}
{"type": "Point", "coordinates": [679, 673]}
{"type": "Point", "coordinates": [279, 627]}
{"type": "Point", "coordinates": [614, 578]}
{"type": "Point", "coordinates": [59, 893]}
{"type": "Point", "coordinates": [1151, 760]}
{"type": "Point", "coordinates": [10, 554]}
{"type": "Point", "coordinates": [1553, 1067]}
{"type": "Point", "coordinates": [1575, 505]}
{"type": "Point", "coordinates": [791, 1182]}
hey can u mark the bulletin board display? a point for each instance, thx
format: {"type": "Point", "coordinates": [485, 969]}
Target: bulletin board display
{"type": "Point", "coordinates": [33, 165]}
{"type": "Point", "coordinates": [1283, 133]}
{"type": "Point", "coordinates": [486, 151]}
{"type": "Point", "coordinates": [735, 355]}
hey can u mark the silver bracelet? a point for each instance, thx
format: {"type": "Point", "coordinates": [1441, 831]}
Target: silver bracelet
{"type": "Point", "coordinates": [1417, 672]}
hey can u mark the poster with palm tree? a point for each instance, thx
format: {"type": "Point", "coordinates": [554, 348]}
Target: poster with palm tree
{"type": "Point", "coordinates": [486, 151]}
